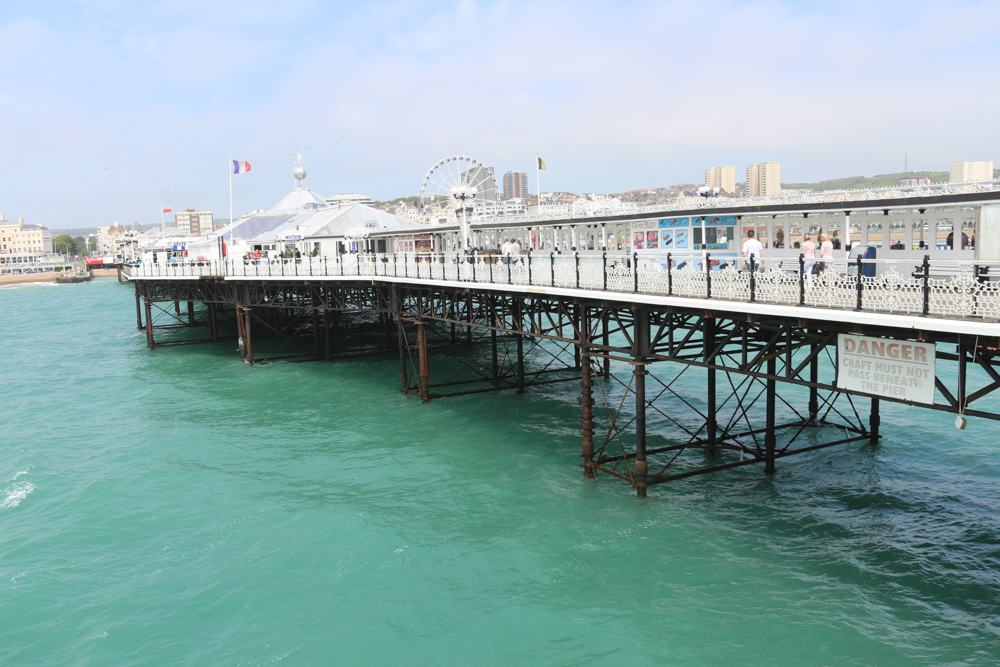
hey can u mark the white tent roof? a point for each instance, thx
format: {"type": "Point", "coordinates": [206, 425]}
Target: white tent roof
{"type": "Point", "coordinates": [303, 214]}
{"type": "Point", "coordinates": [299, 199]}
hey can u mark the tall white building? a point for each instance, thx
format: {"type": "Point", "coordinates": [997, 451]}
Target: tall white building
{"type": "Point", "coordinates": [971, 172]}
{"type": "Point", "coordinates": [721, 177]}
{"type": "Point", "coordinates": [764, 179]}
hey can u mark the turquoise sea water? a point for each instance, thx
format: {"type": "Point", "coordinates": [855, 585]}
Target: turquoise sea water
{"type": "Point", "coordinates": [178, 507]}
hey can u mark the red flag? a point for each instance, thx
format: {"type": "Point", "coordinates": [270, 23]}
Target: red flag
{"type": "Point", "coordinates": [167, 210]}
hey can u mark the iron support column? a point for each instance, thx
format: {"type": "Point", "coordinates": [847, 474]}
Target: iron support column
{"type": "Point", "coordinates": [424, 366]}
{"type": "Point", "coordinates": [315, 328]}
{"type": "Point", "coordinates": [138, 308]}
{"type": "Point", "coordinates": [640, 350]}
{"type": "Point", "coordinates": [769, 437]}
{"type": "Point", "coordinates": [246, 325]}
{"type": "Point", "coordinates": [190, 305]}
{"type": "Point", "coordinates": [401, 337]}
{"type": "Point", "coordinates": [150, 343]}
{"type": "Point", "coordinates": [577, 361]}
{"type": "Point", "coordinates": [468, 318]}
{"type": "Point", "coordinates": [519, 320]}
{"type": "Point", "coordinates": [587, 402]}
{"type": "Point", "coordinates": [708, 340]}
{"type": "Point", "coordinates": [213, 325]}
{"type": "Point", "coordinates": [814, 350]}
{"type": "Point", "coordinates": [326, 334]}
{"type": "Point", "coordinates": [495, 367]}
{"type": "Point", "coordinates": [874, 420]}
{"type": "Point", "coordinates": [606, 341]}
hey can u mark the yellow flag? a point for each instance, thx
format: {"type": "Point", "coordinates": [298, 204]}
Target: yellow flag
{"type": "Point", "coordinates": [541, 163]}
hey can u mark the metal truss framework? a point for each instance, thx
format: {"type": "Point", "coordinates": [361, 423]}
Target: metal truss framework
{"type": "Point", "coordinates": [637, 422]}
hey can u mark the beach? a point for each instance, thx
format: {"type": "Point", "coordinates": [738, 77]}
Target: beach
{"type": "Point", "coordinates": [48, 277]}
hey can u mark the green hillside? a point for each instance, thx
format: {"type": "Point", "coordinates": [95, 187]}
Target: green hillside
{"type": "Point", "coordinates": [879, 181]}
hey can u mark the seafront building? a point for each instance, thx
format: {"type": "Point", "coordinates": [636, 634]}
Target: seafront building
{"type": "Point", "coordinates": [23, 243]}
{"type": "Point", "coordinates": [109, 237]}
{"type": "Point", "coordinates": [971, 172]}
{"type": "Point", "coordinates": [764, 179]}
{"type": "Point", "coordinates": [348, 200]}
{"type": "Point", "coordinates": [195, 223]}
{"type": "Point", "coordinates": [515, 185]}
{"type": "Point", "coordinates": [500, 209]}
{"type": "Point", "coordinates": [721, 177]}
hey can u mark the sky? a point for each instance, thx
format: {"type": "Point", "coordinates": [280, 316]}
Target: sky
{"type": "Point", "coordinates": [110, 110]}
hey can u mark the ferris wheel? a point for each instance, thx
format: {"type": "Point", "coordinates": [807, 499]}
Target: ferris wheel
{"type": "Point", "coordinates": [459, 180]}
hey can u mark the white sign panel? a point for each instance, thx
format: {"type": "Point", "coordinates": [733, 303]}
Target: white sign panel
{"type": "Point", "coordinates": [886, 367]}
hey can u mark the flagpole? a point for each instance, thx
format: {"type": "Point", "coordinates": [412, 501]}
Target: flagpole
{"type": "Point", "coordinates": [538, 186]}
{"type": "Point", "coordinates": [230, 188]}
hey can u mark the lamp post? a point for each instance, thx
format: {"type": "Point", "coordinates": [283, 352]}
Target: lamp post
{"type": "Point", "coordinates": [464, 194]}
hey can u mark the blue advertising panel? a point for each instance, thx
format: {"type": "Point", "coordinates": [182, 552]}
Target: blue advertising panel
{"type": "Point", "coordinates": [674, 222]}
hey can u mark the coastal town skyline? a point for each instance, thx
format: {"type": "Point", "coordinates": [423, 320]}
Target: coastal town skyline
{"type": "Point", "coordinates": [125, 108]}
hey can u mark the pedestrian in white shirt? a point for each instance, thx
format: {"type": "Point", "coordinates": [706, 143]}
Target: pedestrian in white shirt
{"type": "Point", "coordinates": [753, 247]}
{"type": "Point", "coordinates": [505, 251]}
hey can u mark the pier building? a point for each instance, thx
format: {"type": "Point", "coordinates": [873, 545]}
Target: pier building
{"type": "Point", "coordinates": [792, 360]}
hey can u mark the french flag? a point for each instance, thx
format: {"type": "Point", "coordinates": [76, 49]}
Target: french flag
{"type": "Point", "coordinates": [240, 167]}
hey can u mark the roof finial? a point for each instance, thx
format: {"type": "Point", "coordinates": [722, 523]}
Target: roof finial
{"type": "Point", "coordinates": [299, 172]}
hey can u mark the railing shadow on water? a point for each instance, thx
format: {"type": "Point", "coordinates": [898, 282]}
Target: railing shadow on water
{"type": "Point", "coordinates": [945, 288]}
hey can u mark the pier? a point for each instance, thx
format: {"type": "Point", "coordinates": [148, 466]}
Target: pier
{"type": "Point", "coordinates": [767, 344]}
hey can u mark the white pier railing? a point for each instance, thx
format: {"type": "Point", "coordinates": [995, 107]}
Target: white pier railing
{"type": "Point", "coordinates": [946, 288]}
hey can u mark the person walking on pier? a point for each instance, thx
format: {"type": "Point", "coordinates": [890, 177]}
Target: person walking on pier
{"type": "Point", "coordinates": [506, 251]}
{"type": "Point", "coordinates": [825, 252]}
{"type": "Point", "coordinates": [809, 255]}
{"type": "Point", "coordinates": [515, 251]}
{"type": "Point", "coordinates": [753, 248]}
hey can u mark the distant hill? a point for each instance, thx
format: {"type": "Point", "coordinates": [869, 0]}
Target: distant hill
{"type": "Point", "coordinates": [880, 181]}
{"type": "Point", "coordinates": [75, 231]}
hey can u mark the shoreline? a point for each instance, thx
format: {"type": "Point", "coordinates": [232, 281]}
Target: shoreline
{"type": "Point", "coordinates": [50, 277]}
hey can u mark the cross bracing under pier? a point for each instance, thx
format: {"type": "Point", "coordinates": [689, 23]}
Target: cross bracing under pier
{"type": "Point", "coordinates": [766, 372]}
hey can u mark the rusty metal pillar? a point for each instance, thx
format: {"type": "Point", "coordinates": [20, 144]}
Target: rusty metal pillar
{"type": "Point", "coordinates": [770, 439]}
{"type": "Point", "coordinates": [150, 342]}
{"type": "Point", "coordinates": [468, 318]}
{"type": "Point", "coordinates": [177, 307]}
{"type": "Point", "coordinates": [640, 350]}
{"type": "Point", "coordinates": [519, 338]}
{"type": "Point", "coordinates": [396, 307]}
{"type": "Point", "coordinates": [190, 309]}
{"type": "Point", "coordinates": [213, 324]}
{"type": "Point", "coordinates": [874, 420]}
{"type": "Point", "coordinates": [708, 340]}
{"type": "Point", "coordinates": [138, 308]}
{"type": "Point", "coordinates": [494, 360]}
{"type": "Point", "coordinates": [814, 350]}
{"type": "Point", "coordinates": [315, 328]}
{"type": "Point", "coordinates": [425, 393]}
{"type": "Point", "coordinates": [587, 401]}
{"type": "Point", "coordinates": [244, 312]}
{"type": "Point", "coordinates": [326, 334]}
{"type": "Point", "coordinates": [606, 341]}
{"type": "Point", "coordinates": [386, 320]}
{"type": "Point", "coordinates": [577, 361]}
{"type": "Point", "coordinates": [240, 334]}
{"type": "Point", "coordinates": [246, 333]}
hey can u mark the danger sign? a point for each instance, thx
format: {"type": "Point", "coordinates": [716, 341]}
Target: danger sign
{"type": "Point", "coordinates": [897, 369]}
